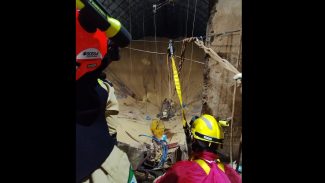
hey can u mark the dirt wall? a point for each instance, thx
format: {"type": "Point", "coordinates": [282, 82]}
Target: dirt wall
{"type": "Point", "coordinates": [226, 15]}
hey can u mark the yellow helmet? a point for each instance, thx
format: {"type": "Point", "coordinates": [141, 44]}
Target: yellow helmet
{"type": "Point", "coordinates": [157, 128]}
{"type": "Point", "coordinates": [206, 128]}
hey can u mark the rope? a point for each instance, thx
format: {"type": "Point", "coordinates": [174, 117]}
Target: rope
{"type": "Point", "coordinates": [189, 74]}
{"type": "Point", "coordinates": [191, 60]}
{"type": "Point", "coordinates": [149, 41]}
{"type": "Point", "coordinates": [225, 63]}
{"type": "Point", "coordinates": [188, 5]}
{"type": "Point", "coordinates": [146, 51]}
{"type": "Point", "coordinates": [178, 90]}
{"type": "Point", "coordinates": [233, 105]}
{"type": "Point", "coordinates": [185, 42]}
{"type": "Point", "coordinates": [240, 49]}
{"type": "Point", "coordinates": [239, 153]}
{"type": "Point", "coordinates": [130, 42]}
{"type": "Point", "coordinates": [169, 79]}
{"type": "Point", "coordinates": [144, 46]}
{"type": "Point", "coordinates": [232, 120]}
{"type": "Point", "coordinates": [180, 64]}
{"type": "Point", "coordinates": [228, 53]}
{"type": "Point", "coordinates": [155, 26]}
{"type": "Point", "coordinates": [144, 41]}
{"type": "Point", "coordinates": [159, 53]}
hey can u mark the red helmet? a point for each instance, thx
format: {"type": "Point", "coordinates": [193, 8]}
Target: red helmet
{"type": "Point", "coordinates": [90, 49]}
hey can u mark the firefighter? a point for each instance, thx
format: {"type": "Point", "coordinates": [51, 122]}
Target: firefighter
{"type": "Point", "coordinates": [204, 167]}
{"type": "Point", "coordinates": [97, 157]}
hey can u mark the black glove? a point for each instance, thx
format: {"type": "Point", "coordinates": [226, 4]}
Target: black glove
{"type": "Point", "coordinates": [113, 54]}
{"type": "Point", "coordinates": [193, 119]}
{"type": "Point", "coordinates": [113, 51]}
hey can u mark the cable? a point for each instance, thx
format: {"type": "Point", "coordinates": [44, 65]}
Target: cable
{"type": "Point", "coordinates": [213, 55]}
{"type": "Point", "coordinates": [191, 60]}
{"type": "Point", "coordinates": [159, 53]}
{"type": "Point", "coordinates": [169, 79]}
{"type": "Point", "coordinates": [155, 26]}
{"type": "Point", "coordinates": [146, 51]}
{"type": "Point", "coordinates": [144, 46]}
{"type": "Point", "coordinates": [130, 42]}
{"type": "Point", "coordinates": [138, 40]}
{"type": "Point", "coordinates": [188, 5]}
{"type": "Point", "coordinates": [193, 26]}
{"type": "Point", "coordinates": [233, 106]}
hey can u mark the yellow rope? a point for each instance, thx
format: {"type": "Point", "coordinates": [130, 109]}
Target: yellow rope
{"type": "Point", "coordinates": [178, 90]}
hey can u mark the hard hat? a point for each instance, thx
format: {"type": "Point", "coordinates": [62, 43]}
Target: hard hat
{"type": "Point", "coordinates": [157, 127]}
{"type": "Point", "coordinates": [206, 128]}
{"type": "Point", "coordinates": [90, 49]}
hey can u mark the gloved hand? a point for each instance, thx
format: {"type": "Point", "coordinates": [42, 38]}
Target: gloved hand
{"type": "Point", "coordinates": [113, 51]}
{"type": "Point", "coordinates": [193, 119]}
{"type": "Point", "coordinates": [113, 54]}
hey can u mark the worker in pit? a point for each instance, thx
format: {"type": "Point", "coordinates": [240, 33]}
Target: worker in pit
{"type": "Point", "coordinates": [98, 159]}
{"type": "Point", "coordinates": [204, 167]}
